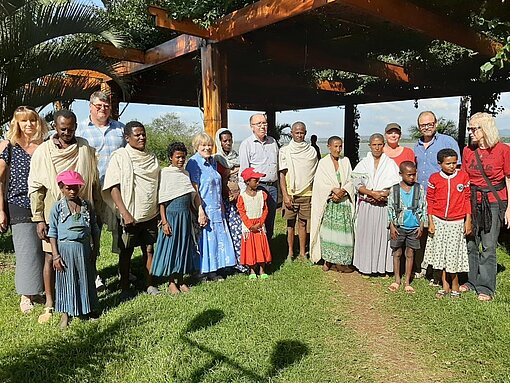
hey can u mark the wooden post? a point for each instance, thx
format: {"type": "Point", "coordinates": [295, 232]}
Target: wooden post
{"type": "Point", "coordinates": [350, 142]}
{"type": "Point", "coordinates": [463, 112]}
{"type": "Point", "coordinates": [271, 119]}
{"type": "Point", "coordinates": [214, 88]}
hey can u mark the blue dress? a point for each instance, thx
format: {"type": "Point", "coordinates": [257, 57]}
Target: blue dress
{"type": "Point", "coordinates": [215, 245]}
{"type": "Point", "coordinates": [75, 289]}
{"type": "Point", "coordinates": [176, 253]}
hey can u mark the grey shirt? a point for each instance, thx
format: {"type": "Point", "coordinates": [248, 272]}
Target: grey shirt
{"type": "Point", "coordinates": [260, 155]}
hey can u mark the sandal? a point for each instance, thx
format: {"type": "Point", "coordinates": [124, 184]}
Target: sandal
{"type": "Point", "coordinates": [46, 316]}
{"type": "Point", "coordinates": [464, 288]}
{"type": "Point", "coordinates": [484, 297]}
{"type": "Point", "coordinates": [252, 276]}
{"type": "Point", "coordinates": [441, 294]}
{"type": "Point", "coordinates": [264, 276]}
{"type": "Point", "coordinates": [409, 289]}
{"type": "Point", "coordinates": [26, 305]}
{"type": "Point", "coordinates": [394, 287]}
{"type": "Point", "coordinates": [455, 294]}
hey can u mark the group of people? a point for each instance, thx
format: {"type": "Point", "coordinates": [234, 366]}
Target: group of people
{"type": "Point", "coordinates": [215, 212]}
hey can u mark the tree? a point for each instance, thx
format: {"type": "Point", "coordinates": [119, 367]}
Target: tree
{"type": "Point", "coordinates": [279, 134]}
{"type": "Point", "coordinates": [39, 42]}
{"type": "Point", "coordinates": [166, 129]}
{"type": "Point", "coordinates": [444, 126]}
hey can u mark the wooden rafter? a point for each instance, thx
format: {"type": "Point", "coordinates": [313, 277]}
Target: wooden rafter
{"type": "Point", "coordinates": [128, 54]}
{"type": "Point", "coordinates": [414, 17]}
{"type": "Point", "coordinates": [186, 26]}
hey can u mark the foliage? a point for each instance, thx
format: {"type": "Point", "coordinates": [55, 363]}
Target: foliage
{"type": "Point", "coordinates": [166, 129]}
{"type": "Point", "coordinates": [39, 42]}
{"type": "Point", "coordinates": [279, 133]}
{"type": "Point", "coordinates": [443, 126]}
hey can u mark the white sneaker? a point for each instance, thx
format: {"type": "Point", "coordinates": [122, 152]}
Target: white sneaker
{"type": "Point", "coordinates": [99, 284]}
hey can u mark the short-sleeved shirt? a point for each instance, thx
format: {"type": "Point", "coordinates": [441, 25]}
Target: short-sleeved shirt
{"type": "Point", "coordinates": [105, 141]}
{"type": "Point", "coordinates": [426, 158]}
{"type": "Point", "coordinates": [260, 155]}
{"type": "Point", "coordinates": [18, 161]}
{"type": "Point", "coordinates": [406, 155]}
{"type": "Point", "coordinates": [496, 165]}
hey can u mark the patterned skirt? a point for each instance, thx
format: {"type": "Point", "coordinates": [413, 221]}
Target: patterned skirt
{"type": "Point", "coordinates": [336, 233]}
{"type": "Point", "coordinates": [447, 249]}
{"type": "Point", "coordinates": [234, 225]}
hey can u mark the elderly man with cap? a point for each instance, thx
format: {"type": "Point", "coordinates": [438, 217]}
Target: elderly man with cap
{"type": "Point", "coordinates": [399, 154]}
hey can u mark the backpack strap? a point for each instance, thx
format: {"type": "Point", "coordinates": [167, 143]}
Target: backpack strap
{"type": "Point", "coordinates": [396, 199]}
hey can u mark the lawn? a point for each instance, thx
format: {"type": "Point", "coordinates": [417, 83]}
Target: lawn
{"type": "Point", "coordinates": [294, 327]}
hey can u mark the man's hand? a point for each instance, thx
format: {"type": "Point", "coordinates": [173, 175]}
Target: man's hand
{"type": "Point", "coordinates": [42, 231]}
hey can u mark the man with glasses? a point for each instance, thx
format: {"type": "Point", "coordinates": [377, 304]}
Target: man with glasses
{"type": "Point", "coordinates": [103, 134]}
{"type": "Point", "coordinates": [260, 151]}
{"type": "Point", "coordinates": [425, 150]}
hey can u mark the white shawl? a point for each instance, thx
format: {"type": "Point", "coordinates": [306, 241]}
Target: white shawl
{"type": "Point", "coordinates": [174, 183]}
{"type": "Point", "coordinates": [300, 160]}
{"type": "Point", "coordinates": [325, 181]}
{"type": "Point", "coordinates": [384, 177]}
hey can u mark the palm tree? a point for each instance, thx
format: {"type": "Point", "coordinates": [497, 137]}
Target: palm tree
{"type": "Point", "coordinates": [39, 42]}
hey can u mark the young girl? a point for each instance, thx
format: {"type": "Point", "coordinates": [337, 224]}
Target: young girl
{"type": "Point", "coordinates": [175, 248]}
{"type": "Point", "coordinates": [72, 224]}
{"type": "Point", "coordinates": [449, 210]}
{"type": "Point", "coordinates": [253, 211]}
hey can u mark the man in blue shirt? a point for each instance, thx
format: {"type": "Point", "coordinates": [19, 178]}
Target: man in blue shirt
{"type": "Point", "coordinates": [103, 134]}
{"type": "Point", "coordinates": [425, 150]}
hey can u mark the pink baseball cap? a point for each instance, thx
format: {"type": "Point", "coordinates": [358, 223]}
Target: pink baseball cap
{"type": "Point", "coordinates": [70, 177]}
{"type": "Point", "coordinates": [251, 173]}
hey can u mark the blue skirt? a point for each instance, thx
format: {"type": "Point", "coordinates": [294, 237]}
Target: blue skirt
{"type": "Point", "coordinates": [75, 289]}
{"type": "Point", "coordinates": [175, 254]}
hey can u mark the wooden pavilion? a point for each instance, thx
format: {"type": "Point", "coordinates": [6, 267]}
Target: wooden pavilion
{"type": "Point", "coordinates": [265, 57]}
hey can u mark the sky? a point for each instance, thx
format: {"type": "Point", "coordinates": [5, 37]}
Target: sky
{"type": "Point", "coordinates": [323, 122]}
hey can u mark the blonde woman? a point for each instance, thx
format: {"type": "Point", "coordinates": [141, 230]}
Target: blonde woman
{"type": "Point", "coordinates": [487, 162]}
{"type": "Point", "coordinates": [26, 131]}
{"type": "Point", "coordinates": [214, 243]}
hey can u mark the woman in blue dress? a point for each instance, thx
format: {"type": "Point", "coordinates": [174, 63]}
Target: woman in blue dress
{"type": "Point", "coordinates": [175, 250]}
{"type": "Point", "coordinates": [214, 243]}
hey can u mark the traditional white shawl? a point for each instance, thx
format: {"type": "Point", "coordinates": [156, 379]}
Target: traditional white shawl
{"type": "Point", "coordinates": [174, 183]}
{"type": "Point", "coordinates": [48, 161]}
{"type": "Point", "coordinates": [137, 174]}
{"type": "Point", "coordinates": [385, 176]}
{"type": "Point", "coordinates": [229, 160]}
{"type": "Point", "coordinates": [300, 160]}
{"type": "Point", "coordinates": [325, 181]}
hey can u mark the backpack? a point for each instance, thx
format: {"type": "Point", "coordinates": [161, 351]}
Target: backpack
{"type": "Point", "coordinates": [396, 199]}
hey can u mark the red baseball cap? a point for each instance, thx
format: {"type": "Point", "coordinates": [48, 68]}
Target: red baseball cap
{"type": "Point", "coordinates": [70, 177]}
{"type": "Point", "coordinates": [251, 173]}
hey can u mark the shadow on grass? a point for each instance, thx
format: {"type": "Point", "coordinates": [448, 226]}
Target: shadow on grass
{"type": "Point", "coordinates": [284, 354]}
{"type": "Point", "coordinates": [279, 251]}
{"type": "Point", "coordinates": [6, 245]}
{"type": "Point", "coordinates": [77, 355]}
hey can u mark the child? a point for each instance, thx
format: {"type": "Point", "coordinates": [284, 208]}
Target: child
{"type": "Point", "coordinates": [72, 224]}
{"type": "Point", "coordinates": [449, 209]}
{"type": "Point", "coordinates": [175, 249]}
{"type": "Point", "coordinates": [407, 212]}
{"type": "Point", "coordinates": [253, 210]}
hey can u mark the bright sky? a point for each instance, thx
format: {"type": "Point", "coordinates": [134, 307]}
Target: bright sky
{"type": "Point", "coordinates": [323, 122]}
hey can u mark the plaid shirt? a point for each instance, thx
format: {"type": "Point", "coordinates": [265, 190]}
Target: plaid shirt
{"type": "Point", "coordinates": [104, 141]}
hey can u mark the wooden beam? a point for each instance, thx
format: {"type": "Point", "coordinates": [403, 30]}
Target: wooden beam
{"type": "Point", "coordinates": [183, 26]}
{"type": "Point", "coordinates": [129, 54]}
{"type": "Point", "coordinates": [331, 86]}
{"type": "Point", "coordinates": [88, 73]}
{"type": "Point", "coordinates": [214, 88]}
{"type": "Point", "coordinates": [414, 17]}
{"type": "Point", "coordinates": [261, 14]}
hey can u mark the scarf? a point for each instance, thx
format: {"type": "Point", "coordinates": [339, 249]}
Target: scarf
{"type": "Point", "coordinates": [230, 160]}
{"type": "Point", "coordinates": [324, 182]}
{"type": "Point", "coordinates": [301, 161]}
{"type": "Point", "coordinates": [384, 177]}
{"type": "Point", "coordinates": [174, 183]}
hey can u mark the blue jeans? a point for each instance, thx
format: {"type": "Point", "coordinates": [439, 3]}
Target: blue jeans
{"type": "Point", "coordinates": [272, 197]}
{"type": "Point", "coordinates": [483, 264]}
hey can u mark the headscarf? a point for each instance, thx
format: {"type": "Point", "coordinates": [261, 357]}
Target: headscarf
{"type": "Point", "coordinates": [229, 160]}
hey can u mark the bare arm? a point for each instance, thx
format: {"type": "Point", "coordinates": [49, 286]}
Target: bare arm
{"type": "Point", "coordinates": [287, 199]}
{"type": "Point", "coordinates": [202, 216]}
{"type": "Point", "coordinates": [124, 213]}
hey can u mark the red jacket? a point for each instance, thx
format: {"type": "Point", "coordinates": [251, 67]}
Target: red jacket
{"type": "Point", "coordinates": [449, 196]}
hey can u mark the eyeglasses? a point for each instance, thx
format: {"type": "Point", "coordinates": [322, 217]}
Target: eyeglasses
{"type": "Point", "coordinates": [428, 125]}
{"type": "Point", "coordinates": [101, 106]}
{"type": "Point", "coordinates": [473, 129]}
{"type": "Point", "coordinates": [260, 124]}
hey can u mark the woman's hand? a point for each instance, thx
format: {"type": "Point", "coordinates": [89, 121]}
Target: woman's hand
{"type": "Point", "coordinates": [202, 217]}
{"type": "Point", "coordinates": [3, 221]}
{"type": "Point", "coordinates": [507, 218]}
{"type": "Point", "coordinates": [58, 265]}
{"type": "Point", "coordinates": [432, 228]}
{"type": "Point", "coordinates": [379, 195]}
{"type": "Point", "coordinates": [167, 229]}
{"type": "Point", "coordinates": [339, 192]}
{"type": "Point", "coordinates": [42, 231]}
{"type": "Point", "coordinates": [255, 228]}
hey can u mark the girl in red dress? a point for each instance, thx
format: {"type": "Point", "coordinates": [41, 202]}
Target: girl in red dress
{"type": "Point", "coordinates": [252, 208]}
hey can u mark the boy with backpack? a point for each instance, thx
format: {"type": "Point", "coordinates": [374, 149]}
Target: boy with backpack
{"type": "Point", "coordinates": [407, 213]}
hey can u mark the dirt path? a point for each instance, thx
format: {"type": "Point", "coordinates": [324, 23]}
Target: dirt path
{"type": "Point", "coordinates": [395, 359]}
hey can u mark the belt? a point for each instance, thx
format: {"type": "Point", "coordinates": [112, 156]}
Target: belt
{"type": "Point", "coordinates": [267, 183]}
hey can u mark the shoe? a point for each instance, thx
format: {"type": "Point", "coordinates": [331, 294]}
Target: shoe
{"type": "Point", "coordinates": [99, 284]}
{"type": "Point", "coordinates": [264, 276]}
{"type": "Point", "coordinates": [46, 316]}
{"type": "Point", "coordinates": [252, 277]}
{"type": "Point", "coordinates": [441, 294]}
{"type": "Point", "coordinates": [455, 294]}
{"type": "Point", "coordinates": [434, 283]}
{"type": "Point", "coordinates": [151, 290]}
{"type": "Point", "coordinates": [420, 274]}
{"type": "Point", "coordinates": [26, 305]}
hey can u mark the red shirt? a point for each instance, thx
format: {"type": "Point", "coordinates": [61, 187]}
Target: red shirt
{"type": "Point", "coordinates": [406, 155]}
{"type": "Point", "coordinates": [449, 196]}
{"type": "Point", "coordinates": [496, 164]}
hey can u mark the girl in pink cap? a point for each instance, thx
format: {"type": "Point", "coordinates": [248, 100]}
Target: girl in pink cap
{"type": "Point", "coordinates": [72, 230]}
{"type": "Point", "coordinates": [253, 210]}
